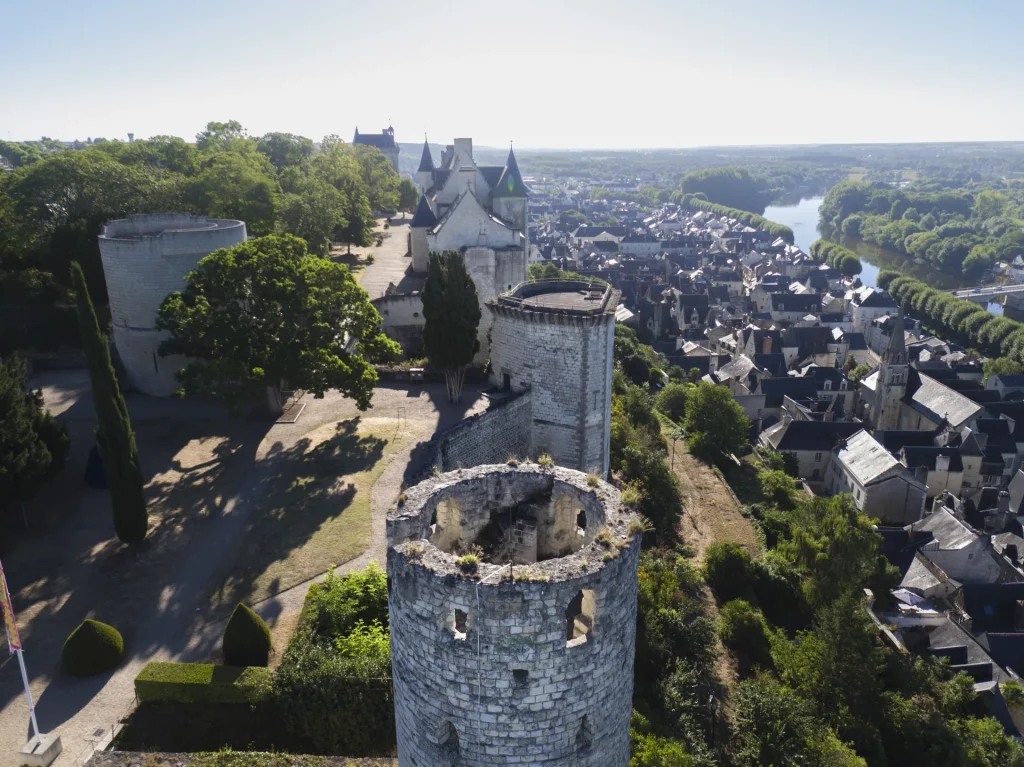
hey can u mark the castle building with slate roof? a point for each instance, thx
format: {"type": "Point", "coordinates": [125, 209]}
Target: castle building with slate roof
{"type": "Point", "coordinates": [384, 141]}
{"type": "Point", "coordinates": [478, 210]}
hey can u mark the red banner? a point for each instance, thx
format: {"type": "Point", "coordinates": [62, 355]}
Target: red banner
{"type": "Point", "coordinates": [7, 609]}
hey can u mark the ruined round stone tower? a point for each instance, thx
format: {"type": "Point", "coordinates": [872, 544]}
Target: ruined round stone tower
{"type": "Point", "coordinates": [528, 657]}
{"type": "Point", "coordinates": [557, 338]}
{"type": "Point", "coordinates": [146, 258]}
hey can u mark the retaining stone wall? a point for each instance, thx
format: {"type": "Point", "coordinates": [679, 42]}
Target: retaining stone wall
{"type": "Point", "coordinates": [501, 431]}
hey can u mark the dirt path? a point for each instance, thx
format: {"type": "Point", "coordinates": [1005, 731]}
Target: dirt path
{"type": "Point", "coordinates": [712, 512]}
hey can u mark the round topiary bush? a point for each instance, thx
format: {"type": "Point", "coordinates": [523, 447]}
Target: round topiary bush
{"type": "Point", "coordinates": [246, 639]}
{"type": "Point", "coordinates": [92, 648]}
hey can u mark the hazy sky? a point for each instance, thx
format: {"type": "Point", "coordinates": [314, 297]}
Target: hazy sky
{"type": "Point", "coordinates": [544, 73]}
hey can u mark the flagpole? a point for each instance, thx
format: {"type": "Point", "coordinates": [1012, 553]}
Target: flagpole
{"type": "Point", "coordinates": [28, 693]}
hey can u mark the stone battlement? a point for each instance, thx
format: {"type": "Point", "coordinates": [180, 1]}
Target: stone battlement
{"type": "Point", "coordinates": [528, 659]}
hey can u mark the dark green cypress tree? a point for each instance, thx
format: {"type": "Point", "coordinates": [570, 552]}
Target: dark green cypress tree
{"type": "Point", "coordinates": [113, 428]}
{"type": "Point", "coordinates": [451, 314]}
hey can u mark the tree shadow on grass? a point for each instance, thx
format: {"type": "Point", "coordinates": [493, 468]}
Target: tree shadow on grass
{"type": "Point", "coordinates": [309, 490]}
{"type": "Point", "coordinates": [71, 566]}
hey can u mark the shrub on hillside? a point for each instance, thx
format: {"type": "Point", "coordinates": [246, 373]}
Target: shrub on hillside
{"type": "Point", "coordinates": [246, 639]}
{"type": "Point", "coordinates": [742, 628]}
{"type": "Point", "coordinates": [727, 570]}
{"type": "Point", "coordinates": [92, 648]}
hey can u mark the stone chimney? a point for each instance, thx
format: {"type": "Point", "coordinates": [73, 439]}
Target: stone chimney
{"type": "Point", "coordinates": [942, 463]}
{"type": "Point", "coordinates": [1003, 504]}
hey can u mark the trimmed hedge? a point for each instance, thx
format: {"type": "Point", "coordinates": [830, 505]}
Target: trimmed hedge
{"type": "Point", "coordinates": [201, 683]}
{"type": "Point", "coordinates": [247, 639]}
{"type": "Point", "coordinates": [92, 648]}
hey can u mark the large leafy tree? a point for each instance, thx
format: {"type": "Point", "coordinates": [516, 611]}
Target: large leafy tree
{"type": "Point", "coordinates": [408, 195]}
{"type": "Point", "coordinates": [113, 428]}
{"type": "Point", "coordinates": [451, 313]}
{"type": "Point", "coordinates": [836, 549]}
{"type": "Point", "coordinates": [266, 314]}
{"type": "Point", "coordinates": [32, 445]}
{"type": "Point", "coordinates": [715, 423]}
{"type": "Point", "coordinates": [233, 185]}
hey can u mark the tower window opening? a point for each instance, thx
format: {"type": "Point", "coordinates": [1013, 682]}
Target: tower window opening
{"type": "Point", "coordinates": [579, 618]}
{"type": "Point", "coordinates": [581, 522]}
{"type": "Point", "coordinates": [458, 622]}
{"type": "Point", "coordinates": [520, 676]}
{"type": "Point", "coordinates": [584, 735]}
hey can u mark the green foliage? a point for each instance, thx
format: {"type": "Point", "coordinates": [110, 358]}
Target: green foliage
{"type": "Point", "coordinates": [113, 428]}
{"type": "Point", "coordinates": [672, 401]}
{"type": "Point", "coordinates": [33, 445]}
{"type": "Point", "coordinates": [328, 703]}
{"type": "Point", "coordinates": [727, 570]}
{"type": "Point", "coordinates": [332, 692]}
{"type": "Point", "coordinates": [649, 750]}
{"type": "Point", "coordinates": [835, 548]}
{"type": "Point", "coordinates": [53, 204]}
{"type": "Point", "coordinates": [778, 487]}
{"type": "Point", "coordinates": [92, 648]}
{"type": "Point", "coordinates": [774, 726]}
{"type": "Point", "coordinates": [730, 187]}
{"type": "Point", "coordinates": [552, 272]}
{"type": "Point", "coordinates": [748, 218]}
{"type": "Point", "coordinates": [246, 638]}
{"type": "Point", "coordinates": [1002, 366]}
{"type": "Point", "coordinates": [742, 628]}
{"type": "Point", "coordinates": [201, 683]}
{"type": "Point", "coordinates": [324, 334]}
{"type": "Point", "coordinates": [675, 653]}
{"type": "Point", "coordinates": [960, 231]}
{"type": "Point", "coordinates": [715, 422]}
{"type": "Point", "coordinates": [885, 278]}
{"type": "Point", "coordinates": [408, 195]}
{"type": "Point", "coordinates": [960, 319]}
{"type": "Point", "coordinates": [337, 604]}
{"type": "Point", "coordinates": [451, 314]}
{"type": "Point", "coordinates": [660, 497]}
{"type": "Point", "coordinates": [859, 372]}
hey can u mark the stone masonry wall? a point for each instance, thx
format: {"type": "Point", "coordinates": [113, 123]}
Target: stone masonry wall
{"type": "Point", "coordinates": [145, 258]}
{"type": "Point", "coordinates": [567, 362]}
{"type": "Point", "coordinates": [501, 431]}
{"type": "Point", "coordinates": [402, 319]}
{"type": "Point", "coordinates": [511, 688]}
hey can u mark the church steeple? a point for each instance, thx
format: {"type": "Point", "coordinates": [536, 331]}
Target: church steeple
{"type": "Point", "coordinates": [896, 352]}
{"type": "Point", "coordinates": [891, 381]}
{"type": "Point", "coordinates": [511, 182]}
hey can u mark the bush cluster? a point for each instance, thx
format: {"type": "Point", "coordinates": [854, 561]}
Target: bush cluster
{"type": "Point", "coordinates": [246, 639]}
{"type": "Point", "coordinates": [92, 648]}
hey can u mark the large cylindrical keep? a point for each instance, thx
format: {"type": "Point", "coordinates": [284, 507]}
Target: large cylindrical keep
{"type": "Point", "coordinates": [535, 668]}
{"type": "Point", "coordinates": [145, 259]}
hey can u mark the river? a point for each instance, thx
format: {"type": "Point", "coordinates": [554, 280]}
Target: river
{"type": "Point", "coordinates": [802, 218]}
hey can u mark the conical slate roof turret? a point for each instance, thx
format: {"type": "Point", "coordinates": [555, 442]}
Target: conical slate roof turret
{"type": "Point", "coordinates": [511, 182]}
{"type": "Point", "coordinates": [424, 216]}
{"type": "Point", "coordinates": [426, 161]}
